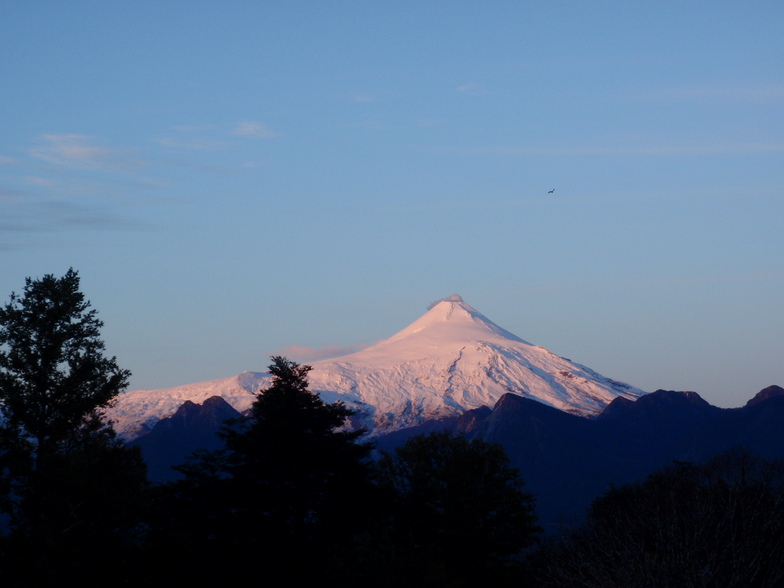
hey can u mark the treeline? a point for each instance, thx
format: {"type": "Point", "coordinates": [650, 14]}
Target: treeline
{"type": "Point", "coordinates": [719, 524]}
{"type": "Point", "coordinates": [292, 496]}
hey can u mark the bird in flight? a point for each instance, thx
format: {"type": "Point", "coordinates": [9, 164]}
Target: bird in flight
{"type": "Point", "coordinates": [551, 191]}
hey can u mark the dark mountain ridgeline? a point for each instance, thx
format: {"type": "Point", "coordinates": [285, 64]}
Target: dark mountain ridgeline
{"type": "Point", "coordinates": [173, 439]}
{"type": "Point", "coordinates": [765, 394]}
{"type": "Point", "coordinates": [566, 460]}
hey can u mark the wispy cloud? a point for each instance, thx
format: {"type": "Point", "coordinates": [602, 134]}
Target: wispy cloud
{"type": "Point", "coordinates": [209, 137]}
{"type": "Point", "coordinates": [26, 221]}
{"type": "Point", "coordinates": [69, 183]}
{"type": "Point", "coordinates": [254, 130]}
{"type": "Point", "coordinates": [306, 354]}
{"type": "Point", "coordinates": [70, 215]}
{"type": "Point", "coordinates": [83, 152]}
{"type": "Point", "coordinates": [38, 181]}
{"type": "Point", "coordinates": [8, 194]}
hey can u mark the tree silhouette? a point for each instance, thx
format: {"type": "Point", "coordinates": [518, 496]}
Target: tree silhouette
{"type": "Point", "coordinates": [285, 488]}
{"type": "Point", "coordinates": [54, 377]}
{"type": "Point", "coordinates": [290, 460]}
{"type": "Point", "coordinates": [716, 524]}
{"type": "Point", "coordinates": [69, 486]}
{"type": "Point", "coordinates": [457, 501]}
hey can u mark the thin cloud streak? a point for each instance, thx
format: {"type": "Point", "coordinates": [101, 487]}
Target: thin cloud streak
{"type": "Point", "coordinates": [58, 215]}
{"type": "Point", "coordinates": [214, 137]}
{"type": "Point", "coordinates": [70, 183]}
{"type": "Point", "coordinates": [7, 195]}
{"type": "Point", "coordinates": [81, 152]}
{"type": "Point", "coordinates": [308, 354]}
{"type": "Point", "coordinates": [253, 130]}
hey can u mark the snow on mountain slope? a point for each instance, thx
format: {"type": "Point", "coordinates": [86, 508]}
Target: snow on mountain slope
{"type": "Point", "coordinates": [450, 360]}
{"type": "Point", "coordinates": [137, 412]}
{"type": "Point", "coordinates": [454, 359]}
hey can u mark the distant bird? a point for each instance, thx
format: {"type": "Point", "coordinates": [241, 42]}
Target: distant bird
{"type": "Point", "coordinates": [551, 191]}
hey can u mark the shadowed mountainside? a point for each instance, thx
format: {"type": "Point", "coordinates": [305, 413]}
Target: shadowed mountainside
{"type": "Point", "coordinates": [566, 460]}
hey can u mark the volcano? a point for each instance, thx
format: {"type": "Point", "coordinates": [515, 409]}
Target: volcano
{"type": "Point", "coordinates": [450, 360]}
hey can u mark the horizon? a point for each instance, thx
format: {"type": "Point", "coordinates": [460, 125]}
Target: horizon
{"type": "Point", "coordinates": [232, 181]}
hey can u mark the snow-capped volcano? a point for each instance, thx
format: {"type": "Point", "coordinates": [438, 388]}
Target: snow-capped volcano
{"type": "Point", "coordinates": [450, 360]}
{"type": "Point", "coordinates": [453, 359]}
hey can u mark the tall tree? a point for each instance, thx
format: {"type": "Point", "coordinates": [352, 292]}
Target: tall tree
{"type": "Point", "coordinates": [284, 490]}
{"type": "Point", "coordinates": [54, 377]}
{"type": "Point", "coordinates": [457, 501]}
{"type": "Point", "coordinates": [292, 460]}
{"type": "Point", "coordinates": [69, 485]}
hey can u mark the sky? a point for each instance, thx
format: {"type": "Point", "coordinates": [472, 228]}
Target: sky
{"type": "Point", "coordinates": [233, 180]}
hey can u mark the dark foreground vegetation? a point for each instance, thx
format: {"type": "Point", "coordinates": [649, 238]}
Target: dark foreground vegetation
{"type": "Point", "coordinates": [292, 497]}
{"type": "Point", "coordinates": [716, 524]}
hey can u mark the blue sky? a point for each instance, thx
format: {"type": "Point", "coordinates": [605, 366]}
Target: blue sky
{"type": "Point", "coordinates": [232, 179]}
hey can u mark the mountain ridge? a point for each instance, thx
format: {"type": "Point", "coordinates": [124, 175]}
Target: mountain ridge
{"type": "Point", "coordinates": [567, 461]}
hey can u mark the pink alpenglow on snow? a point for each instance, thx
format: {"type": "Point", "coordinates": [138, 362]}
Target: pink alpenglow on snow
{"type": "Point", "coordinates": [450, 360]}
